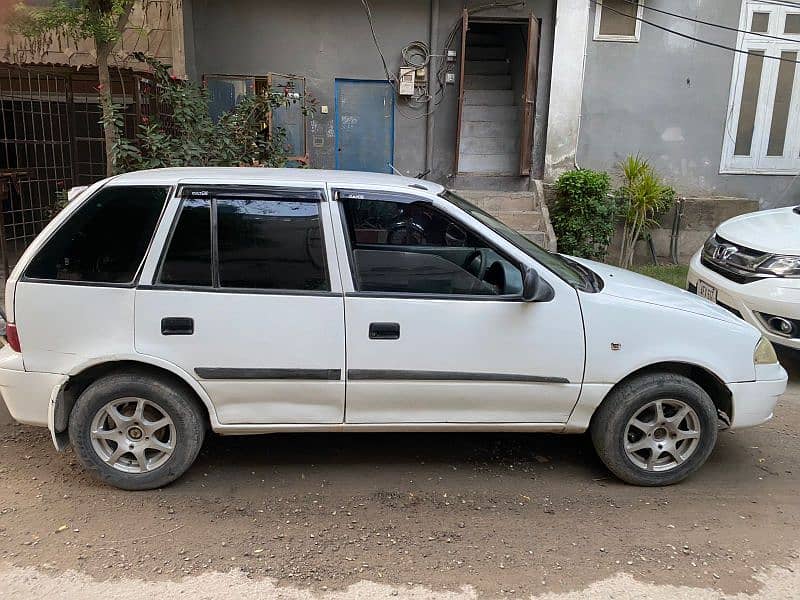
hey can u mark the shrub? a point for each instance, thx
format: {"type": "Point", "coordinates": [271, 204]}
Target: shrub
{"type": "Point", "coordinates": [188, 137]}
{"type": "Point", "coordinates": [641, 199]}
{"type": "Point", "coordinates": [583, 215]}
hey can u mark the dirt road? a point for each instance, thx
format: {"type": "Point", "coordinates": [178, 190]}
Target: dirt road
{"type": "Point", "coordinates": [410, 515]}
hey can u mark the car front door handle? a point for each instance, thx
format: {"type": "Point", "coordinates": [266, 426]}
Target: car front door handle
{"type": "Point", "coordinates": [177, 326]}
{"type": "Point", "coordinates": [384, 331]}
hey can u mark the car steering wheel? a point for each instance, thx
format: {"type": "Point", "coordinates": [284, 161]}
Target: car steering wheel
{"type": "Point", "coordinates": [476, 263]}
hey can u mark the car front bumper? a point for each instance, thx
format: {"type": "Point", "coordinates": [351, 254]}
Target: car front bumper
{"type": "Point", "coordinates": [754, 401]}
{"type": "Point", "coordinates": [773, 296]}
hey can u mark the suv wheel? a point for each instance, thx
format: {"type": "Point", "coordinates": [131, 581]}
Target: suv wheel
{"type": "Point", "coordinates": [655, 430]}
{"type": "Point", "coordinates": [135, 432]}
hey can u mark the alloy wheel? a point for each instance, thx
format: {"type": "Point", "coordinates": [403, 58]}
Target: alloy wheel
{"type": "Point", "coordinates": [662, 435]}
{"type": "Point", "coordinates": [133, 435]}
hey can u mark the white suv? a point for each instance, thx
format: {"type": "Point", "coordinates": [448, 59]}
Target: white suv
{"type": "Point", "coordinates": [162, 303]}
{"type": "Point", "coordinates": [751, 266]}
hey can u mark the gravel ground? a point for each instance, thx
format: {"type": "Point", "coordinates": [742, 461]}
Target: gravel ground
{"type": "Point", "coordinates": [408, 516]}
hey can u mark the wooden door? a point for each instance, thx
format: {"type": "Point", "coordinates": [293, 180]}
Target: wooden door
{"type": "Point", "coordinates": [528, 96]}
{"type": "Point", "coordinates": [463, 59]}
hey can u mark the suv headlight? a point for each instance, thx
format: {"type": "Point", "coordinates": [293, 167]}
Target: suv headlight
{"type": "Point", "coordinates": [764, 353]}
{"type": "Point", "coordinates": [782, 266]}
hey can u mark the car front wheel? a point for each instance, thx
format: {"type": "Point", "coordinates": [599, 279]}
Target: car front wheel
{"type": "Point", "coordinates": [136, 432]}
{"type": "Point", "coordinates": [656, 429]}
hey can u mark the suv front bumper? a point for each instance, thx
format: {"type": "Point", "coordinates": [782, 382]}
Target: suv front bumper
{"type": "Point", "coordinates": [773, 296]}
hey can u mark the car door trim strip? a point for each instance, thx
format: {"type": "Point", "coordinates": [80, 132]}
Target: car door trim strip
{"type": "Point", "coordinates": [245, 373]}
{"type": "Point", "coordinates": [397, 375]}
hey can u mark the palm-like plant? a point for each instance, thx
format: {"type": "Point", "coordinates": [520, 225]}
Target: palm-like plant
{"type": "Point", "coordinates": [642, 198]}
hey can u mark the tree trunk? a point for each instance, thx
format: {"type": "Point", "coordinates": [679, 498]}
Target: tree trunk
{"type": "Point", "coordinates": [106, 102]}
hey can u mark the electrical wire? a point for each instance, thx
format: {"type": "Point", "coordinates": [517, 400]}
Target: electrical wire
{"type": "Point", "coordinates": [368, 10]}
{"type": "Point", "coordinates": [415, 49]}
{"type": "Point", "coordinates": [786, 3]}
{"type": "Point", "coordinates": [708, 23]}
{"type": "Point", "coordinates": [690, 37]}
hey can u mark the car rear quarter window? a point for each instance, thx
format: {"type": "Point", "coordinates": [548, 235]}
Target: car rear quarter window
{"type": "Point", "coordinates": [105, 240]}
{"type": "Point", "coordinates": [188, 259]}
{"type": "Point", "coordinates": [270, 244]}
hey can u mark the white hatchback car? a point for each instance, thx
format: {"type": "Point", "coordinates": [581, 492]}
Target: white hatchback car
{"type": "Point", "coordinates": [751, 266]}
{"type": "Point", "coordinates": [161, 303]}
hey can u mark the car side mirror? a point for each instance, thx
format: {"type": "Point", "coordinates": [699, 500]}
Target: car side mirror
{"type": "Point", "coordinates": [534, 288]}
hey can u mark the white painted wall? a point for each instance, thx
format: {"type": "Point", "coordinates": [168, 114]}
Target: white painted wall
{"type": "Point", "coordinates": [566, 86]}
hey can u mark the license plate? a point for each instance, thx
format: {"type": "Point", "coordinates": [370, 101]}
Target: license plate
{"type": "Point", "coordinates": [709, 292]}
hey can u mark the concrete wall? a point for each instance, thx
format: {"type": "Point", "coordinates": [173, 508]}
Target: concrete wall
{"type": "Point", "coordinates": [155, 28]}
{"type": "Point", "coordinates": [667, 97]}
{"type": "Point", "coordinates": [701, 216]}
{"type": "Point", "coordinates": [323, 40]}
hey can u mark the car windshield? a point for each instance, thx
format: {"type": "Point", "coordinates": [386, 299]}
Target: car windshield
{"type": "Point", "coordinates": [569, 270]}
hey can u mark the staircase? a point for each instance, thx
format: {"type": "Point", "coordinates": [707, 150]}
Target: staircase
{"type": "Point", "coordinates": [490, 121]}
{"type": "Point", "coordinates": [524, 211]}
{"type": "Point", "coordinates": [488, 153]}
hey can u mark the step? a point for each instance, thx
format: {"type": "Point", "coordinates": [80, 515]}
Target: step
{"type": "Point", "coordinates": [488, 163]}
{"type": "Point", "coordinates": [485, 52]}
{"type": "Point", "coordinates": [483, 39]}
{"type": "Point", "coordinates": [487, 67]}
{"type": "Point", "coordinates": [489, 145]}
{"type": "Point", "coordinates": [492, 114]}
{"type": "Point", "coordinates": [537, 237]}
{"type": "Point", "coordinates": [487, 82]}
{"type": "Point", "coordinates": [488, 97]}
{"type": "Point", "coordinates": [467, 182]}
{"type": "Point", "coordinates": [509, 128]}
{"type": "Point", "coordinates": [521, 220]}
{"type": "Point", "coordinates": [494, 201]}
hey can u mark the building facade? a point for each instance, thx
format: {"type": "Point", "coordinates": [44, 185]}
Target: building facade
{"type": "Point", "coordinates": [602, 82]}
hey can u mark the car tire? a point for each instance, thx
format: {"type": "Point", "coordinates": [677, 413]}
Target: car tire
{"type": "Point", "coordinates": [645, 445]}
{"type": "Point", "coordinates": [136, 432]}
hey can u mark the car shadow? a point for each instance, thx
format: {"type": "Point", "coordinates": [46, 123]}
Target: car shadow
{"type": "Point", "coordinates": [790, 359]}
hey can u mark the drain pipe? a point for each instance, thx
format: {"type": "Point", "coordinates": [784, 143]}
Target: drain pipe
{"type": "Point", "coordinates": [580, 114]}
{"type": "Point", "coordinates": [433, 43]}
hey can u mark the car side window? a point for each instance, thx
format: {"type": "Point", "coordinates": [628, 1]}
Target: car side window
{"type": "Point", "coordinates": [270, 244]}
{"type": "Point", "coordinates": [188, 259]}
{"type": "Point", "coordinates": [406, 245]}
{"type": "Point", "coordinates": [105, 240]}
{"type": "Point", "coordinates": [260, 243]}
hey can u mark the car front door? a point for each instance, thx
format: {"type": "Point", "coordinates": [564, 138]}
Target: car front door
{"type": "Point", "coordinates": [437, 331]}
{"type": "Point", "coordinates": [246, 297]}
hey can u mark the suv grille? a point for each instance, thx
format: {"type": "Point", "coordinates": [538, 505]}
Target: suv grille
{"type": "Point", "coordinates": [732, 261]}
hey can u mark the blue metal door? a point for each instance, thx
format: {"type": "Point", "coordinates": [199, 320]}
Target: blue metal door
{"type": "Point", "coordinates": [364, 125]}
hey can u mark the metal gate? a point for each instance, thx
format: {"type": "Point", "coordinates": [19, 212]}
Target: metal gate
{"type": "Point", "coordinates": [51, 139]}
{"type": "Point", "coordinates": [36, 154]}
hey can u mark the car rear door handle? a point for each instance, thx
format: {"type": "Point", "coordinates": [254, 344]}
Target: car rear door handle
{"type": "Point", "coordinates": [384, 331]}
{"type": "Point", "coordinates": [177, 326]}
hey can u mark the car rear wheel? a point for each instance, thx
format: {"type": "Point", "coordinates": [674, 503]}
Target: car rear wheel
{"type": "Point", "coordinates": [136, 432]}
{"type": "Point", "coordinates": [656, 429]}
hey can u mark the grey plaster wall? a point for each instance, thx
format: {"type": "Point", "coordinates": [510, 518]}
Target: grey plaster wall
{"type": "Point", "coordinates": [667, 98]}
{"type": "Point", "coordinates": [323, 40]}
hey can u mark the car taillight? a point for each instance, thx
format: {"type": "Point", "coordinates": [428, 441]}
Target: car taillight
{"type": "Point", "coordinates": [12, 337]}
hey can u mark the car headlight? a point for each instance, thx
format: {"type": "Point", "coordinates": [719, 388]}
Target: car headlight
{"type": "Point", "coordinates": [764, 353]}
{"type": "Point", "coordinates": [782, 266]}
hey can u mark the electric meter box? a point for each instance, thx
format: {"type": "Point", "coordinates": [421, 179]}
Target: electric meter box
{"type": "Point", "coordinates": [407, 81]}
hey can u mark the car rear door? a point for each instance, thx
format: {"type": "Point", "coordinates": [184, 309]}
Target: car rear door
{"type": "Point", "coordinates": [246, 297]}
